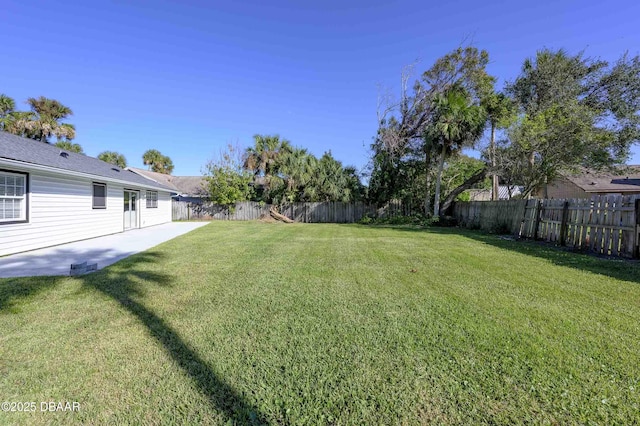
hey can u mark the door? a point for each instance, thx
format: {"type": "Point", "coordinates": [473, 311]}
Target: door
{"type": "Point", "coordinates": [130, 210]}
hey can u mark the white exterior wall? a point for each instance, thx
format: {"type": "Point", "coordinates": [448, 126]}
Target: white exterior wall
{"type": "Point", "coordinates": [155, 216]}
{"type": "Point", "coordinates": [60, 211]}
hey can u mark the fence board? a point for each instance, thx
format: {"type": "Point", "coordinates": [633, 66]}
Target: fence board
{"type": "Point", "coordinates": [603, 224]}
{"type": "Point", "coordinates": [327, 212]}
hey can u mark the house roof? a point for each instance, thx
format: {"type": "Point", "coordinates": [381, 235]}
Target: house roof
{"type": "Point", "coordinates": [624, 179]}
{"type": "Point", "coordinates": [32, 152]}
{"type": "Point", "coordinates": [183, 185]}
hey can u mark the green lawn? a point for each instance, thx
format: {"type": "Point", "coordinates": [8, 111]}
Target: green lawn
{"type": "Point", "coordinates": [328, 324]}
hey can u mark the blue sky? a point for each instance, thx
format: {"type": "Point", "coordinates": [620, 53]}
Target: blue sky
{"type": "Point", "coordinates": [187, 77]}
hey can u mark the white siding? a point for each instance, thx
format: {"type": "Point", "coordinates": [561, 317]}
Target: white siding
{"type": "Point", "coordinates": [155, 216]}
{"type": "Point", "coordinates": [60, 211]}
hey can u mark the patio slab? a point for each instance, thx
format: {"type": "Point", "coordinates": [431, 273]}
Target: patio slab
{"type": "Point", "coordinates": [104, 251]}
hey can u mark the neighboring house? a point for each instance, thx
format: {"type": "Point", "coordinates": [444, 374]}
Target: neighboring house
{"type": "Point", "coordinates": [185, 188]}
{"type": "Point", "coordinates": [49, 196]}
{"type": "Point", "coordinates": [504, 193]}
{"type": "Point", "coordinates": [587, 183]}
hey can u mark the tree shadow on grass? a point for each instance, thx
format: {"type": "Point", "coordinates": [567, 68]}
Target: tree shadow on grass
{"type": "Point", "coordinates": [13, 290]}
{"type": "Point", "coordinates": [621, 269]}
{"type": "Point", "coordinates": [126, 282]}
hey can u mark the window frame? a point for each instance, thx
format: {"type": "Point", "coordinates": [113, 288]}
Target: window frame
{"type": "Point", "coordinates": [25, 197]}
{"type": "Point", "coordinates": [153, 200]}
{"type": "Point", "coordinates": [93, 195]}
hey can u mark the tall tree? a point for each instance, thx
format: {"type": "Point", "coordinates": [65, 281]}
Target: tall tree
{"type": "Point", "coordinates": [297, 167]}
{"type": "Point", "coordinates": [69, 146]}
{"type": "Point", "coordinates": [573, 111]}
{"type": "Point", "coordinates": [330, 180]}
{"type": "Point", "coordinates": [404, 125]}
{"type": "Point", "coordinates": [456, 123]}
{"type": "Point", "coordinates": [157, 162]}
{"type": "Point", "coordinates": [7, 108]}
{"type": "Point", "coordinates": [151, 157]}
{"type": "Point", "coordinates": [113, 157]}
{"type": "Point", "coordinates": [262, 160]}
{"type": "Point", "coordinates": [46, 118]}
{"type": "Point", "coordinates": [13, 121]}
{"type": "Point", "coordinates": [500, 110]}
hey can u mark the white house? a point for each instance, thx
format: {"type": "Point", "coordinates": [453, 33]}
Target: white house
{"type": "Point", "coordinates": [49, 196]}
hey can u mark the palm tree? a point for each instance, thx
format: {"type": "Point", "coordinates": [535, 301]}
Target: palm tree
{"type": "Point", "coordinates": [499, 109]}
{"type": "Point", "coordinates": [456, 123]}
{"type": "Point", "coordinates": [7, 105]}
{"type": "Point", "coordinates": [297, 168]}
{"type": "Point", "coordinates": [262, 160]}
{"type": "Point", "coordinates": [332, 183]}
{"type": "Point", "coordinates": [151, 157]}
{"type": "Point", "coordinates": [13, 121]}
{"type": "Point", "coordinates": [113, 157]}
{"type": "Point", "coordinates": [157, 162]}
{"type": "Point", "coordinates": [7, 109]}
{"type": "Point", "coordinates": [165, 166]}
{"type": "Point", "coordinates": [45, 120]}
{"type": "Point", "coordinates": [69, 146]}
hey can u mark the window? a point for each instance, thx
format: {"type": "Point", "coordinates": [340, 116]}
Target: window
{"type": "Point", "coordinates": [13, 197]}
{"type": "Point", "coordinates": [99, 195]}
{"type": "Point", "coordinates": [152, 199]}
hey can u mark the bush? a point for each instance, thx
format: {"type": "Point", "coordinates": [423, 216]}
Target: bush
{"type": "Point", "coordinates": [415, 219]}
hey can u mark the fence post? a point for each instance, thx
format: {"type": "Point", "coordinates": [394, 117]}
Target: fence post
{"type": "Point", "coordinates": [636, 237]}
{"type": "Point", "coordinates": [563, 224]}
{"type": "Point", "coordinates": [523, 222]}
{"type": "Point", "coordinates": [538, 212]}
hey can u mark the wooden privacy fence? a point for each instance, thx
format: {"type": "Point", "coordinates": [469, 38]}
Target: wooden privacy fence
{"type": "Point", "coordinates": [608, 224]}
{"type": "Point", "coordinates": [328, 212]}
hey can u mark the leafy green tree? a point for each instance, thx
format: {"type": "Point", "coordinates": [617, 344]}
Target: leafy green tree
{"type": "Point", "coordinates": [458, 170]}
{"type": "Point", "coordinates": [157, 162]}
{"type": "Point", "coordinates": [572, 111]}
{"type": "Point", "coordinates": [69, 146]}
{"type": "Point", "coordinates": [333, 182]}
{"type": "Point", "coordinates": [398, 176]}
{"type": "Point", "coordinates": [113, 157]}
{"type": "Point", "coordinates": [406, 127]}
{"type": "Point", "coordinates": [296, 167]}
{"type": "Point", "coordinates": [227, 182]}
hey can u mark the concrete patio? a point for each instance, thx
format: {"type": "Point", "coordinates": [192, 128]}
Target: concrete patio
{"type": "Point", "coordinates": [102, 250]}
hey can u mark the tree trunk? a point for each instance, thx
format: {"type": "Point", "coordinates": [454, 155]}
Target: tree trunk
{"type": "Point", "coordinates": [532, 160]}
{"type": "Point", "coordinates": [494, 179]}
{"type": "Point", "coordinates": [427, 196]}
{"type": "Point", "coordinates": [465, 185]}
{"type": "Point", "coordinates": [436, 200]}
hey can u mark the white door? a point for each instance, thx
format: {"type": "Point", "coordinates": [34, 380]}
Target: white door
{"type": "Point", "coordinates": [130, 210]}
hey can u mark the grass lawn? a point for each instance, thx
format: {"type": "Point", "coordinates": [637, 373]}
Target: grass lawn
{"type": "Point", "coordinates": [328, 324]}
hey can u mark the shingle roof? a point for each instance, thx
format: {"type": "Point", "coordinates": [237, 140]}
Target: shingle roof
{"type": "Point", "coordinates": [35, 152]}
{"type": "Point", "coordinates": [627, 179]}
{"type": "Point", "coordinates": [183, 185]}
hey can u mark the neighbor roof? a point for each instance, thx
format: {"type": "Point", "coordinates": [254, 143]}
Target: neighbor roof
{"type": "Point", "coordinates": [183, 185]}
{"type": "Point", "coordinates": [29, 151]}
{"type": "Point", "coordinates": [625, 179]}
